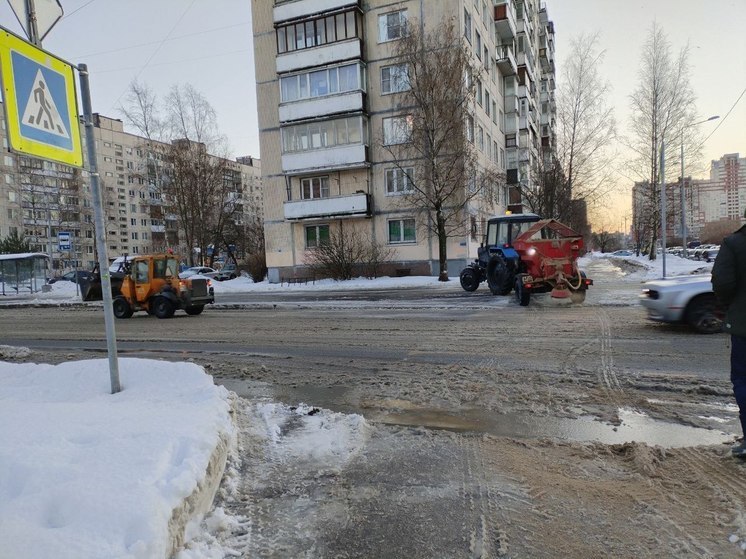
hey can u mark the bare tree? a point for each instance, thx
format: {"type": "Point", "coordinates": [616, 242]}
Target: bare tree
{"type": "Point", "coordinates": [715, 231]}
{"type": "Point", "coordinates": [142, 112]}
{"type": "Point", "coordinates": [580, 167]}
{"type": "Point", "coordinates": [431, 142]}
{"type": "Point", "coordinates": [192, 172]}
{"type": "Point", "coordinates": [586, 124]}
{"type": "Point", "coordinates": [348, 253]}
{"type": "Point", "coordinates": [663, 105]}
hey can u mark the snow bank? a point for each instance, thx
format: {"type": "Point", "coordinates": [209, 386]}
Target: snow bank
{"type": "Point", "coordinates": [641, 268]}
{"type": "Point", "coordinates": [88, 474]}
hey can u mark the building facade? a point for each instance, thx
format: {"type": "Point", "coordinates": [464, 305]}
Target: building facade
{"type": "Point", "coordinates": [39, 199]}
{"type": "Point", "coordinates": [720, 197]}
{"type": "Point", "coordinates": [327, 79]}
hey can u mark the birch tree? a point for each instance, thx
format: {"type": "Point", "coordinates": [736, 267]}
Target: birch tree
{"type": "Point", "coordinates": [663, 107]}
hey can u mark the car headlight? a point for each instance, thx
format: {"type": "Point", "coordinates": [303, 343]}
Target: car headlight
{"type": "Point", "coordinates": [651, 293]}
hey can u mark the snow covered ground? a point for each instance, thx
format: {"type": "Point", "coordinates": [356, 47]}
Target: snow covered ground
{"type": "Point", "coordinates": [639, 269]}
{"type": "Point", "coordinates": [86, 474]}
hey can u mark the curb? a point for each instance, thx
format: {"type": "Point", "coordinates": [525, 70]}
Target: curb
{"type": "Point", "coordinates": [200, 501]}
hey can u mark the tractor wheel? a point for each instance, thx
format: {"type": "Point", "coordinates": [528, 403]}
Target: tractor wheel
{"type": "Point", "coordinates": [522, 295]}
{"type": "Point", "coordinates": [163, 308]}
{"type": "Point", "coordinates": [122, 308]}
{"type": "Point", "coordinates": [469, 278]}
{"type": "Point", "coordinates": [704, 315]}
{"type": "Point", "coordinates": [578, 296]}
{"type": "Point", "coordinates": [194, 310]}
{"type": "Point", "coordinates": [499, 276]}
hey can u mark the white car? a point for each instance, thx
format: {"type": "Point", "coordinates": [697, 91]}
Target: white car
{"type": "Point", "coordinates": [687, 299]}
{"type": "Point", "coordinates": [205, 271]}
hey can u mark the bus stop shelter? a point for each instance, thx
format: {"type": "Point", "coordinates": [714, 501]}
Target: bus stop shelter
{"type": "Point", "coordinates": [22, 273]}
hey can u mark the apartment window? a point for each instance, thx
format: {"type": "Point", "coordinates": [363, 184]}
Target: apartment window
{"type": "Point", "coordinates": [467, 25]}
{"type": "Point", "coordinates": [398, 180]}
{"type": "Point", "coordinates": [314, 187]}
{"type": "Point", "coordinates": [134, 236]}
{"type": "Point", "coordinates": [133, 221]}
{"type": "Point", "coordinates": [316, 235]}
{"type": "Point", "coordinates": [402, 231]}
{"type": "Point", "coordinates": [394, 78]}
{"type": "Point", "coordinates": [325, 134]}
{"type": "Point", "coordinates": [502, 159]}
{"type": "Point", "coordinates": [478, 46]}
{"type": "Point", "coordinates": [487, 102]}
{"type": "Point", "coordinates": [397, 130]}
{"type": "Point", "coordinates": [510, 141]}
{"type": "Point", "coordinates": [480, 138]}
{"type": "Point", "coordinates": [321, 83]}
{"type": "Point", "coordinates": [316, 32]}
{"type": "Point", "coordinates": [479, 92]}
{"type": "Point", "coordinates": [470, 128]}
{"type": "Point", "coordinates": [392, 26]}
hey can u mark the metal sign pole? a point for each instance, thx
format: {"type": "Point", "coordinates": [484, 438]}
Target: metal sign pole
{"type": "Point", "coordinates": [663, 204]}
{"type": "Point", "coordinates": [103, 263]}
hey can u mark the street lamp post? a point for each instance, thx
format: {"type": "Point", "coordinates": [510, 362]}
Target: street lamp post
{"type": "Point", "coordinates": [681, 188]}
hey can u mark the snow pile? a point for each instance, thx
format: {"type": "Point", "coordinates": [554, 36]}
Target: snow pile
{"type": "Point", "coordinates": [641, 268]}
{"type": "Point", "coordinates": [84, 473]}
{"type": "Point", "coordinates": [243, 284]}
{"type": "Point", "coordinates": [302, 435]}
{"type": "Point", "coordinates": [59, 292]}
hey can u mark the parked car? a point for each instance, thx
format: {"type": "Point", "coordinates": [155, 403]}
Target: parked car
{"type": "Point", "coordinates": [70, 276]}
{"type": "Point", "coordinates": [622, 253]}
{"type": "Point", "coordinates": [685, 299]}
{"type": "Point", "coordinates": [201, 270]}
{"type": "Point", "coordinates": [710, 254]}
{"type": "Point", "coordinates": [228, 272]}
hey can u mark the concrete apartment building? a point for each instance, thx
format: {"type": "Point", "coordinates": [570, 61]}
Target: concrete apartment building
{"type": "Point", "coordinates": [722, 196]}
{"type": "Point", "coordinates": [40, 198]}
{"type": "Point", "coordinates": [326, 84]}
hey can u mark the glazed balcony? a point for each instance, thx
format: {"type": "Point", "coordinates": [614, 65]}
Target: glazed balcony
{"type": "Point", "coordinates": [295, 9]}
{"type": "Point", "coordinates": [350, 49]}
{"type": "Point", "coordinates": [505, 25]}
{"type": "Point", "coordinates": [353, 101]}
{"type": "Point", "coordinates": [354, 205]}
{"type": "Point", "coordinates": [330, 159]}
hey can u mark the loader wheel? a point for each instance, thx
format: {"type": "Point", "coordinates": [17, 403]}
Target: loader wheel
{"type": "Point", "coordinates": [194, 310]}
{"type": "Point", "coordinates": [522, 295]}
{"type": "Point", "coordinates": [499, 276]}
{"type": "Point", "coordinates": [163, 308]}
{"type": "Point", "coordinates": [469, 278]}
{"type": "Point", "coordinates": [121, 308]}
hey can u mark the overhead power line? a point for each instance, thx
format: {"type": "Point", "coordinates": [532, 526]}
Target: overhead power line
{"type": "Point", "coordinates": [723, 119]}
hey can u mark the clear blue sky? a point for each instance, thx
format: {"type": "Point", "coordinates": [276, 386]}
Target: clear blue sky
{"type": "Point", "coordinates": [208, 43]}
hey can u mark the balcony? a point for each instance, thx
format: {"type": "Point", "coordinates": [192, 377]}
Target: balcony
{"type": "Point", "coordinates": [330, 159]}
{"type": "Point", "coordinates": [511, 104]}
{"type": "Point", "coordinates": [544, 60]}
{"type": "Point", "coordinates": [505, 25]}
{"type": "Point", "coordinates": [352, 101]}
{"type": "Point", "coordinates": [506, 62]}
{"type": "Point", "coordinates": [158, 228]}
{"type": "Point", "coordinates": [285, 11]}
{"type": "Point", "coordinates": [511, 123]}
{"type": "Point", "coordinates": [319, 56]}
{"type": "Point", "coordinates": [354, 205]}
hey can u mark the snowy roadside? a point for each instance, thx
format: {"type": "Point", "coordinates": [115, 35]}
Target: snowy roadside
{"type": "Point", "coordinates": [89, 474]}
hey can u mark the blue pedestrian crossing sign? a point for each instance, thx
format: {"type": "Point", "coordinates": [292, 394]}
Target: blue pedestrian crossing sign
{"type": "Point", "coordinates": [41, 105]}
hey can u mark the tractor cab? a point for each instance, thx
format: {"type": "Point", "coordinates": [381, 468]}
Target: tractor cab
{"type": "Point", "coordinates": [503, 230]}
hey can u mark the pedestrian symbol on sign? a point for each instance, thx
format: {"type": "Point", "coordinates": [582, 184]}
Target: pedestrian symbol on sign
{"type": "Point", "coordinates": [41, 112]}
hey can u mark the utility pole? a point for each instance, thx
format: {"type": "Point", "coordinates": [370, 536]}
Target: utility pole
{"type": "Point", "coordinates": [663, 204]}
